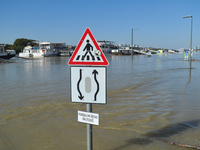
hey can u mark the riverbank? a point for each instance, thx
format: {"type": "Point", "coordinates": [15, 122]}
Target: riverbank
{"type": "Point", "coordinates": [6, 61]}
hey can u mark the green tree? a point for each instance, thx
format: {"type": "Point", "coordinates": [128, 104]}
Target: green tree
{"type": "Point", "coordinates": [9, 46]}
{"type": "Point", "coordinates": [19, 44]}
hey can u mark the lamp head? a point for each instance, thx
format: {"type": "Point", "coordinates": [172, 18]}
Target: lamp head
{"type": "Point", "coordinates": [190, 16]}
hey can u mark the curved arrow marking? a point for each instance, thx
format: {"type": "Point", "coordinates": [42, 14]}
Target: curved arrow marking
{"type": "Point", "coordinates": [95, 78]}
{"type": "Point", "coordinates": [78, 86]}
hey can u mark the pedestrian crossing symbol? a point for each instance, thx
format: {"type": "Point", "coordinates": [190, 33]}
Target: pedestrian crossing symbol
{"type": "Point", "coordinates": [88, 52]}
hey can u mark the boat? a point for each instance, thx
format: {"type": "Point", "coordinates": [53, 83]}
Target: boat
{"type": "Point", "coordinates": [107, 46]}
{"type": "Point", "coordinates": [128, 51]}
{"type": "Point", "coordinates": [6, 54]}
{"type": "Point", "coordinates": [65, 52]}
{"type": "Point", "coordinates": [149, 54]}
{"type": "Point", "coordinates": [47, 49]}
{"type": "Point", "coordinates": [171, 51]}
{"type": "Point", "coordinates": [61, 49]}
{"type": "Point", "coordinates": [51, 49]}
{"type": "Point", "coordinates": [30, 51]}
{"type": "Point", "coordinates": [121, 51]}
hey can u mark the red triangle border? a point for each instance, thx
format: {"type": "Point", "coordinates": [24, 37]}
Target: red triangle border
{"type": "Point", "coordinates": [71, 60]}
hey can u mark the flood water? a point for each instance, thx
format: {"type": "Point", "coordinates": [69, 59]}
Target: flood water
{"type": "Point", "coordinates": [149, 99]}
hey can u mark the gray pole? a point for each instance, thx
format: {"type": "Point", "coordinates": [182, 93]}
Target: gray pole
{"type": "Point", "coordinates": [191, 45]}
{"type": "Point", "coordinates": [89, 129]}
{"type": "Point", "coordinates": [131, 42]}
{"type": "Point", "coordinates": [190, 41]}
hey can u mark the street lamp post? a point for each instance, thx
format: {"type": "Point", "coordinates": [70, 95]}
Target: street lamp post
{"type": "Point", "coordinates": [190, 40]}
{"type": "Point", "coordinates": [132, 40]}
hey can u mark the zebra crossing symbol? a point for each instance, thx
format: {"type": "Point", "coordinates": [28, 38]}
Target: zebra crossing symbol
{"type": "Point", "coordinates": [88, 52]}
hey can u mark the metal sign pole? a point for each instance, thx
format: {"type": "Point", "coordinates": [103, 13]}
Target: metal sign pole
{"type": "Point", "coordinates": [89, 129]}
{"type": "Point", "coordinates": [191, 45]}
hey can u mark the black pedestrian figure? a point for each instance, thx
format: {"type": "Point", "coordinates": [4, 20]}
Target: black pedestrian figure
{"type": "Point", "coordinates": [87, 48]}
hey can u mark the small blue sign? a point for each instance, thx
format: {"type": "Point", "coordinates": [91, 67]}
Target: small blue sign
{"type": "Point", "coordinates": [186, 55]}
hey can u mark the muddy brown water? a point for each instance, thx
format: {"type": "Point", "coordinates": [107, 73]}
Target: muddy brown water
{"type": "Point", "coordinates": [148, 98]}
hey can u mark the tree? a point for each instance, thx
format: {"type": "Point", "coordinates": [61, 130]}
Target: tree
{"type": "Point", "coordinates": [19, 44]}
{"type": "Point", "coordinates": [9, 46]}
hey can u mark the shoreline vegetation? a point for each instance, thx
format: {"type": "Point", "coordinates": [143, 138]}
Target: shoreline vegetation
{"type": "Point", "coordinates": [19, 45]}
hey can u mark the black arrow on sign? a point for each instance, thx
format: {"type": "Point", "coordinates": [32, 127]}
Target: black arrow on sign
{"type": "Point", "coordinates": [95, 78]}
{"type": "Point", "coordinates": [78, 86]}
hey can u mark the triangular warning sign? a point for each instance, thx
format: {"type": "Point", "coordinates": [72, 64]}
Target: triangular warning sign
{"type": "Point", "coordinates": [88, 52]}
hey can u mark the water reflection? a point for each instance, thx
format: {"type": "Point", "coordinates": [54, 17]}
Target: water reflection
{"type": "Point", "coordinates": [190, 72]}
{"type": "Point", "coordinates": [158, 64]}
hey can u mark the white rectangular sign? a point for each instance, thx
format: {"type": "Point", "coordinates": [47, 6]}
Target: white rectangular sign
{"type": "Point", "coordinates": [88, 117]}
{"type": "Point", "coordinates": [88, 84]}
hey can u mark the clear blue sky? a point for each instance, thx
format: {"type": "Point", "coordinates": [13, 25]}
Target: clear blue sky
{"type": "Point", "coordinates": [160, 22]}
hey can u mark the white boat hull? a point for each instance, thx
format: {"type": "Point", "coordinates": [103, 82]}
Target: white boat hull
{"type": "Point", "coordinates": [36, 55]}
{"type": "Point", "coordinates": [25, 55]}
{"type": "Point", "coordinates": [29, 52]}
